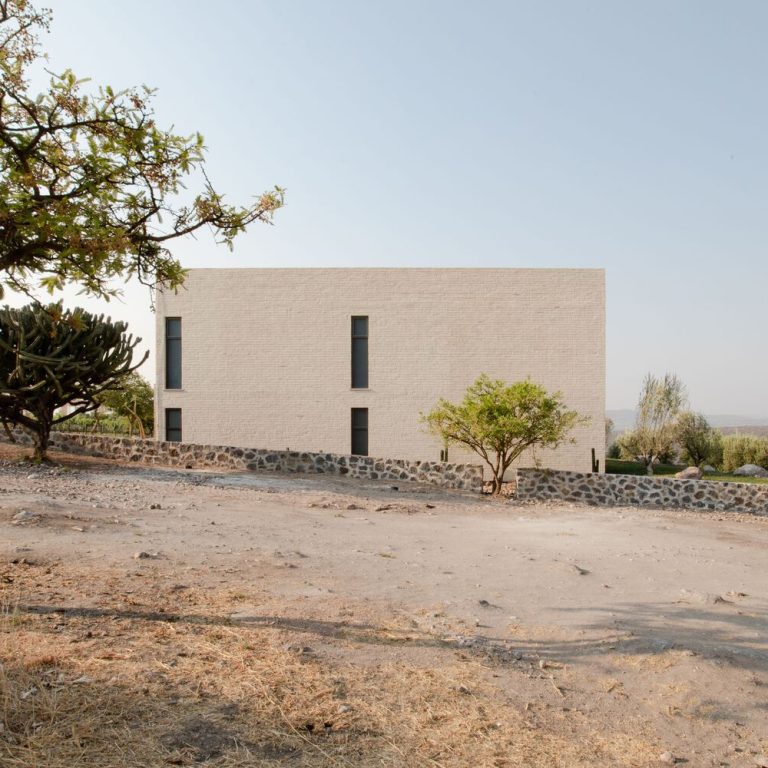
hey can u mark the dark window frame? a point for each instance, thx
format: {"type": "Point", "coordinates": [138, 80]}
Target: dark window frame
{"type": "Point", "coordinates": [359, 353]}
{"type": "Point", "coordinates": [359, 432]}
{"type": "Point", "coordinates": [173, 354]}
{"type": "Point", "coordinates": [169, 430]}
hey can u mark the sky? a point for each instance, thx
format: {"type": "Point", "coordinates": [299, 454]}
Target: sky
{"type": "Point", "coordinates": [631, 136]}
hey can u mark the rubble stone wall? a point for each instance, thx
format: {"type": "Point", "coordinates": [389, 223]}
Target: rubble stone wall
{"type": "Point", "coordinates": [643, 491]}
{"type": "Point", "coordinates": [460, 476]}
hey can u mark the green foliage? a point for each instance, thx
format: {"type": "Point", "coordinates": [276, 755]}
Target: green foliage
{"type": "Point", "coordinates": [625, 467]}
{"type": "Point", "coordinates": [500, 421]}
{"type": "Point", "coordinates": [744, 449]}
{"type": "Point", "coordinates": [614, 450]}
{"type": "Point", "coordinates": [628, 446]}
{"type": "Point", "coordinates": [50, 358]}
{"type": "Point", "coordinates": [618, 467]}
{"type": "Point", "coordinates": [633, 445]}
{"type": "Point", "coordinates": [699, 443]}
{"type": "Point", "coordinates": [653, 437]}
{"type": "Point", "coordinates": [103, 425]}
{"type": "Point", "coordinates": [133, 399]}
{"type": "Point", "coordinates": [90, 187]}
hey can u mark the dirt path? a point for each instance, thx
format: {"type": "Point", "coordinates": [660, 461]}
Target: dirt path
{"type": "Point", "coordinates": [468, 632]}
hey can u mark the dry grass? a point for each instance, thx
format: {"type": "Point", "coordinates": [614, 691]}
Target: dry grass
{"type": "Point", "coordinates": [126, 685]}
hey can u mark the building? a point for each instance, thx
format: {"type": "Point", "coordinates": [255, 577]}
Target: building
{"type": "Point", "coordinates": [346, 360]}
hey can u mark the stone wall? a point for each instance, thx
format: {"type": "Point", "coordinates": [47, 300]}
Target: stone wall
{"type": "Point", "coordinates": [633, 490]}
{"type": "Point", "coordinates": [460, 476]}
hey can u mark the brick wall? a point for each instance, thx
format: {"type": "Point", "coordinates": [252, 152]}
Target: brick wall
{"type": "Point", "coordinates": [266, 353]}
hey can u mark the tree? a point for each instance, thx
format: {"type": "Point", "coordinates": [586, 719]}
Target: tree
{"type": "Point", "coordinates": [654, 434]}
{"type": "Point", "coordinates": [500, 421]}
{"type": "Point", "coordinates": [134, 399]}
{"type": "Point", "coordinates": [609, 427]}
{"type": "Point", "coordinates": [50, 358]}
{"type": "Point", "coordinates": [699, 442]}
{"type": "Point", "coordinates": [90, 187]}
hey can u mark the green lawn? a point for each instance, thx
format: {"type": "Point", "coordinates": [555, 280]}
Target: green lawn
{"type": "Point", "coordinates": [619, 467]}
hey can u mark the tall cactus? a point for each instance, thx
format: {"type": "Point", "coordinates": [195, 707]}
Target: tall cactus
{"type": "Point", "coordinates": [51, 357]}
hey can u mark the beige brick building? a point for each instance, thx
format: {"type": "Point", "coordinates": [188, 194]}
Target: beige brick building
{"type": "Point", "coordinates": [264, 358]}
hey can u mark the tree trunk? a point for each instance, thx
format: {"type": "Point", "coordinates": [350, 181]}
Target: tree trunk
{"type": "Point", "coordinates": [42, 436]}
{"type": "Point", "coordinates": [8, 432]}
{"type": "Point", "coordinates": [649, 468]}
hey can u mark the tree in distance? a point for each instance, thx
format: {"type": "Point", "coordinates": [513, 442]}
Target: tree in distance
{"type": "Point", "coordinates": [134, 399]}
{"type": "Point", "coordinates": [91, 188]}
{"type": "Point", "coordinates": [50, 358]}
{"type": "Point", "coordinates": [500, 421]}
{"type": "Point", "coordinates": [661, 400]}
{"type": "Point", "coordinates": [699, 443]}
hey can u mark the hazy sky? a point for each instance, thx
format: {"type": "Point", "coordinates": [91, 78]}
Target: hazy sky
{"type": "Point", "coordinates": [630, 136]}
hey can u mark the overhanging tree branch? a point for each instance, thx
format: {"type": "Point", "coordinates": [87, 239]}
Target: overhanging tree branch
{"type": "Point", "coordinates": [87, 179]}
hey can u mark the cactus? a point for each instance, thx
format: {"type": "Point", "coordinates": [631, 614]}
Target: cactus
{"type": "Point", "coordinates": [51, 357]}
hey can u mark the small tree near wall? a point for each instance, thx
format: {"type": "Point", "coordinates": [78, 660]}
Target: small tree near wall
{"type": "Point", "coordinates": [500, 421]}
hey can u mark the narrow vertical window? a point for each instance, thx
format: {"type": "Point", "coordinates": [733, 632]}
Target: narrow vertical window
{"type": "Point", "coordinates": [359, 353]}
{"type": "Point", "coordinates": [360, 431]}
{"type": "Point", "coordinates": [173, 425]}
{"type": "Point", "coordinates": [173, 353]}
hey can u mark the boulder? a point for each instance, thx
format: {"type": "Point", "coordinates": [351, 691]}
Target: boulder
{"type": "Point", "coordinates": [690, 473]}
{"type": "Point", "coordinates": [708, 469]}
{"type": "Point", "coordinates": [750, 470]}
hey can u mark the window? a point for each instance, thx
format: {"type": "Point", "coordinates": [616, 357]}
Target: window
{"type": "Point", "coordinates": [173, 353]}
{"type": "Point", "coordinates": [359, 353]}
{"type": "Point", "coordinates": [173, 425]}
{"type": "Point", "coordinates": [360, 431]}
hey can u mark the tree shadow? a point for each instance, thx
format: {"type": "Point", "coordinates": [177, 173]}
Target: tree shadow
{"type": "Point", "coordinates": [725, 632]}
{"type": "Point", "coordinates": [340, 630]}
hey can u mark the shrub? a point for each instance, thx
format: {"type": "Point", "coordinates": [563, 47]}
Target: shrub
{"type": "Point", "coordinates": [631, 446]}
{"type": "Point", "coordinates": [744, 449]}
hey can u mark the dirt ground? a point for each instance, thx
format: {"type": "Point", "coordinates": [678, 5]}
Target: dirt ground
{"type": "Point", "coordinates": [159, 617]}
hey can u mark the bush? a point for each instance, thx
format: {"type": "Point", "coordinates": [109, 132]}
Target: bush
{"type": "Point", "coordinates": [614, 451]}
{"type": "Point", "coordinates": [630, 445]}
{"type": "Point", "coordinates": [744, 449]}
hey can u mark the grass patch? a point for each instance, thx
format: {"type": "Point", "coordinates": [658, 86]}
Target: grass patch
{"type": "Point", "coordinates": [621, 467]}
{"type": "Point", "coordinates": [114, 687]}
{"type": "Point", "coordinates": [722, 477]}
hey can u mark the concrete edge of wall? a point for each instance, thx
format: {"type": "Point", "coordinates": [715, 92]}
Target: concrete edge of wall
{"type": "Point", "coordinates": [468, 477]}
{"type": "Point", "coordinates": [642, 491]}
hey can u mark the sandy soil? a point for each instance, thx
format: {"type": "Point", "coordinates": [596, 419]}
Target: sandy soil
{"type": "Point", "coordinates": [613, 636]}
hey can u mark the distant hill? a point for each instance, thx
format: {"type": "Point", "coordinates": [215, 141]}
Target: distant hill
{"type": "Point", "coordinates": [756, 425]}
{"type": "Point", "coordinates": [758, 430]}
